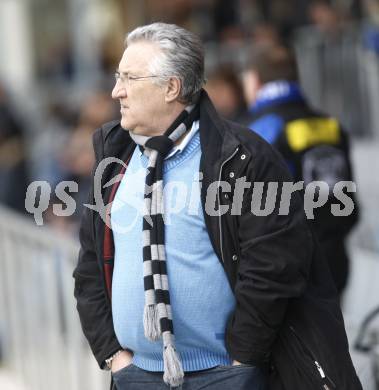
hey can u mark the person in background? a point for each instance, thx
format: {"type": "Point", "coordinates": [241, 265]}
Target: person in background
{"type": "Point", "coordinates": [314, 145]}
{"type": "Point", "coordinates": [13, 171]}
{"type": "Point", "coordinates": [325, 17]}
{"type": "Point", "coordinates": [75, 159]}
{"type": "Point", "coordinates": [225, 90]}
{"type": "Point", "coordinates": [265, 33]}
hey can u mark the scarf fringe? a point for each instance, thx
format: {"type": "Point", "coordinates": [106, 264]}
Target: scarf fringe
{"type": "Point", "coordinates": [173, 371]}
{"type": "Point", "coordinates": [151, 323]}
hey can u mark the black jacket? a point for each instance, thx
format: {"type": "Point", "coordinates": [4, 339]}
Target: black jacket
{"type": "Point", "coordinates": [286, 315]}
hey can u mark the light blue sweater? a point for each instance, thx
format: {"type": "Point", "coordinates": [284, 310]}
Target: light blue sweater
{"type": "Point", "coordinates": [201, 298]}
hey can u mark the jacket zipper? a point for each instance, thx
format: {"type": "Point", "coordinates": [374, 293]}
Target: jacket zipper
{"type": "Point", "coordinates": [324, 377]}
{"type": "Point", "coordinates": [219, 200]}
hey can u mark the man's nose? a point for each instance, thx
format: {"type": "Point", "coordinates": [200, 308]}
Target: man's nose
{"type": "Point", "coordinates": [118, 91]}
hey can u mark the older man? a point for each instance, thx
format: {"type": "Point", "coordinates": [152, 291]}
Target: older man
{"type": "Point", "coordinates": [179, 283]}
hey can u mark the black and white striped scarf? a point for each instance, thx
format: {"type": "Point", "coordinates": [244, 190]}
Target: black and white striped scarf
{"type": "Point", "coordinates": [157, 318]}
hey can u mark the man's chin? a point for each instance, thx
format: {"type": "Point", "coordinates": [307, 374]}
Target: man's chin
{"type": "Point", "coordinates": [136, 131]}
{"type": "Point", "coordinates": [125, 125]}
{"type": "Point", "coordinates": [131, 128]}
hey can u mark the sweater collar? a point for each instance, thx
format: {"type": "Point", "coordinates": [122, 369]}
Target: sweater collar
{"type": "Point", "coordinates": [185, 141]}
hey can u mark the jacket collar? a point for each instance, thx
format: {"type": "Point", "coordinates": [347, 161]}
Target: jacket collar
{"type": "Point", "coordinates": [216, 142]}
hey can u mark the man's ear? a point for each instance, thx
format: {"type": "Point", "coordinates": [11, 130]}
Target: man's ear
{"type": "Point", "coordinates": [173, 88]}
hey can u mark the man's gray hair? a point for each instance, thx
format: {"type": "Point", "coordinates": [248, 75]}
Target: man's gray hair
{"type": "Point", "coordinates": [183, 56]}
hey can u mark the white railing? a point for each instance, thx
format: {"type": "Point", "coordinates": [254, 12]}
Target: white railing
{"type": "Point", "coordinates": [40, 334]}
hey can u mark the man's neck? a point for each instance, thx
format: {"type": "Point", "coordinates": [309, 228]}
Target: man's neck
{"type": "Point", "coordinates": [167, 121]}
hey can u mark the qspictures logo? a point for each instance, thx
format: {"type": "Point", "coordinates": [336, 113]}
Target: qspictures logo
{"type": "Point", "coordinates": [258, 198]}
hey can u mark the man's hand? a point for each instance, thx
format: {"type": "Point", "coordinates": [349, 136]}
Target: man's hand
{"type": "Point", "coordinates": [122, 360]}
{"type": "Point", "coordinates": [236, 363]}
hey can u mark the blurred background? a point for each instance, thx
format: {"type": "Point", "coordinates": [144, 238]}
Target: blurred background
{"type": "Point", "coordinates": [57, 61]}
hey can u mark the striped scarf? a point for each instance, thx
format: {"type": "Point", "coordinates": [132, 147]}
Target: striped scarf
{"type": "Point", "coordinates": [157, 318]}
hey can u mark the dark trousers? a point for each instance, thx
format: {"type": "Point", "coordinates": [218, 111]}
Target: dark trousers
{"type": "Point", "coordinates": [241, 377]}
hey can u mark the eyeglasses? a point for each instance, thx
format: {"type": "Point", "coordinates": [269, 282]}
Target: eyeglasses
{"type": "Point", "coordinates": [126, 78]}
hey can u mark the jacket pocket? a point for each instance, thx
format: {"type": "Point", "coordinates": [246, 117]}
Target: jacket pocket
{"type": "Point", "coordinates": [308, 363]}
